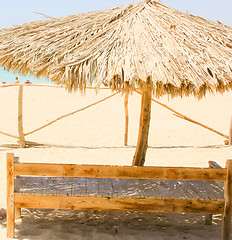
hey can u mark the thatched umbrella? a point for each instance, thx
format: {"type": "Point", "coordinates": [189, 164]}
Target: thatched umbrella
{"type": "Point", "coordinates": [147, 45]}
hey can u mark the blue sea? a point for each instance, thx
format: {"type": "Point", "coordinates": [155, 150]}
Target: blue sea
{"type": "Point", "coordinates": [9, 78]}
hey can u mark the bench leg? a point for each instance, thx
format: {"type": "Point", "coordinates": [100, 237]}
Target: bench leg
{"type": "Point", "coordinates": [208, 219]}
{"type": "Point", "coordinates": [17, 213]}
{"type": "Point", "coordinates": [10, 221]}
{"type": "Point", "coordinates": [226, 220]}
{"type": "Point", "coordinates": [10, 196]}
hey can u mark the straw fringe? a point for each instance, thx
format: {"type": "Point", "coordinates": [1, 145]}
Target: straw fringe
{"type": "Point", "coordinates": [183, 54]}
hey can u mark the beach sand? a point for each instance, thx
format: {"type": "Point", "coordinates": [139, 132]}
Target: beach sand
{"type": "Point", "coordinates": [95, 136]}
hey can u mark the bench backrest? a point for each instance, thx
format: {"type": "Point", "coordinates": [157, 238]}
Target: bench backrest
{"type": "Point", "coordinates": [106, 171]}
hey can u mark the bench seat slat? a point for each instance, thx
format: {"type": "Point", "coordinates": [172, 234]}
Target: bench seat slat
{"type": "Point", "coordinates": [105, 187]}
{"type": "Point", "coordinates": [133, 188]}
{"type": "Point", "coordinates": [118, 187]}
{"type": "Point", "coordinates": [92, 187]}
{"type": "Point", "coordinates": [197, 188]}
{"type": "Point", "coordinates": [137, 188]}
{"type": "Point", "coordinates": [211, 190]}
{"type": "Point", "coordinates": [79, 186]}
{"type": "Point", "coordinates": [153, 188]}
{"type": "Point", "coordinates": [177, 191]}
{"type": "Point", "coordinates": [187, 189]}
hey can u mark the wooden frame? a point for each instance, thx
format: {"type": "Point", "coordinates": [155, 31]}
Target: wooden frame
{"type": "Point", "coordinates": [129, 172]}
{"type": "Point", "coordinates": [63, 201]}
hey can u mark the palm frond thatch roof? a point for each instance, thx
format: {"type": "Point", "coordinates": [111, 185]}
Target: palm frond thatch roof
{"type": "Point", "coordinates": [182, 53]}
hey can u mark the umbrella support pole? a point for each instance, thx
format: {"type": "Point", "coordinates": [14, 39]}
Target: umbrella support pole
{"type": "Point", "coordinates": [20, 118]}
{"type": "Point", "coordinates": [145, 115]}
{"type": "Point", "coordinates": [126, 117]}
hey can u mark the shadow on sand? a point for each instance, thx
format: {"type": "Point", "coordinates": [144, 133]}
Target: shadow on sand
{"type": "Point", "coordinates": [44, 145]}
{"type": "Point", "coordinates": [91, 224]}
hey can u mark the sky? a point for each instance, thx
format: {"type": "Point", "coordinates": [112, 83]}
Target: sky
{"type": "Point", "coordinates": [14, 12]}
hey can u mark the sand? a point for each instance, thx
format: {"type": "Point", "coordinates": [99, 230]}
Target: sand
{"type": "Point", "coordinates": [95, 136]}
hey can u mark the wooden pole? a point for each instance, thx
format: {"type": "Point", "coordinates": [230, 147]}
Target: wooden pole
{"type": "Point", "coordinates": [230, 133]}
{"type": "Point", "coordinates": [20, 118]}
{"type": "Point", "coordinates": [145, 115]}
{"type": "Point", "coordinates": [10, 195]}
{"type": "Point", "coordinates": [226, 220]}
{"type": "Point", "coordinates": [126, 117]}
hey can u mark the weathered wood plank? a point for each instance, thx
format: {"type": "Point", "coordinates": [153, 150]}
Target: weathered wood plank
{"type": "Point", "coordinates": [187, 189]}
{"type": "Point", "coordinates": [79, 186]}
{"type": "Point", "coordinates": [162, 188]}
{"type": "Point", "coordinates": [105, 187]}
{"type": "Point", "coordinates": [118, 187]}
{"type": "Point", "coordinates": [175, 189]}
{"type": "Point", "coordinates": [132, 187]}
{"type": "Point", "coordinates": [101, 171]}
{"type": "Point", "coordinates": [150, 189]}
{"type": "Point", "coordinates": [169, 188]}
{"type": "Point", "coordinates": [213, 190]}
{"type": "Point", "coordinates": [218, 188]}
{"type": "Point", "coordinates": [199, 189]}
{"type": "Point", "coordinates": [52, 185]}
{"type": "Point", "coordinates": [92, 187]}
{"type": "Point", "coordinates": [44, 185]}
{"type": "Point", "coordinates": [30, 185]}
{"type": "Point", "coordinates": [59, 185]}
{"type": "Point", "coordinates": [117, 203]}
{"type": "Point", "coordinates": [138, 182]}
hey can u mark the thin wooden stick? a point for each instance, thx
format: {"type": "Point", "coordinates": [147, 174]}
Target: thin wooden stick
{"type": "Point", "coordinates": [177, 114]}
{"type": "Point", "coordinates": [44, 15]}
{"type": "Point", "coordinates": [202, 125]}
{"type": "Point", "coordinates": [9, 135]}
{"type": "Point", "coordinates": [126, 118]}
{"type": "Point", "coordinates": [20, 118]}
{"type": "Point", "coordinates": [66, 115]}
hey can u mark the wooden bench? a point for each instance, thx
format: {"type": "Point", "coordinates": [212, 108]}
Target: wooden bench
{"type": "Point", "coordinates": [126, 188]}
